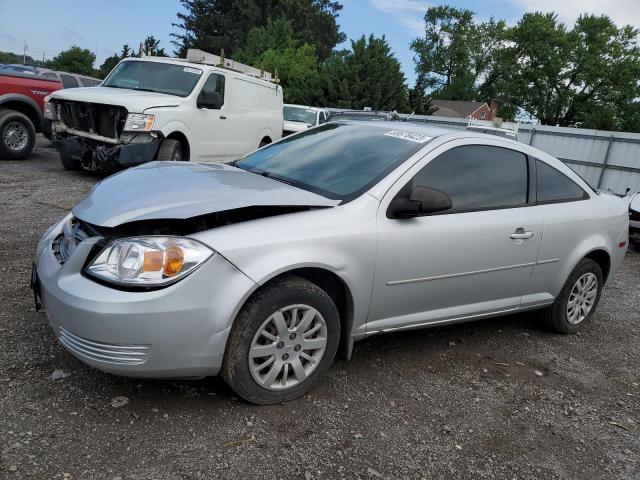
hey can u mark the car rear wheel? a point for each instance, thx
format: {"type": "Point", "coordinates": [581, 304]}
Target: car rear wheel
{"type": "Point", "coordinates": [578, 299]}
{"type": "Point", "coordinates": [170, 150]}
{"type": "Point", "coordinates": [283, 340]}
{"type": "Point", "coordinates": [17, 135]}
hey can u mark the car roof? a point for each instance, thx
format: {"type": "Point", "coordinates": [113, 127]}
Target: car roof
{"type": "Point", "coordinates": [423, 129]}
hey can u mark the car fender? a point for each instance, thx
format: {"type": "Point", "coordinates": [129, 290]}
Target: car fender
{"type": "Point", "coordinates": [18, 97]}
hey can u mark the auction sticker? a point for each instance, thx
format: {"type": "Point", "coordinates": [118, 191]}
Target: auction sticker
{"type": "Point", "coordinates": [406, 135]}
{"type": "Point", "coordinates": [197, 71]}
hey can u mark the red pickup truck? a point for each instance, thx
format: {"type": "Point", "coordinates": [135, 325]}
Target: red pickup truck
{"type": "Point", "coordinates": [22, 111]}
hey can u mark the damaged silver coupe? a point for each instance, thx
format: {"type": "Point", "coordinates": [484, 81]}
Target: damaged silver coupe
{"type": "Point", "coordinates": [263, 269]}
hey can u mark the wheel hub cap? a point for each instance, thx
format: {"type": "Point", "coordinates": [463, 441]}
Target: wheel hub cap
{"type": "Point", "coordinates": [287, 347]}
{"type": "Point", "coordinates": [582, 298]}
{"type": "Point", "coordinates": [15, 136]}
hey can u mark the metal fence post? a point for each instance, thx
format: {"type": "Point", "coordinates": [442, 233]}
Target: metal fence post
{"type": "Point", "coordinates": [532, 133]}
{"type": "Point", "coordinates": [605, 161]}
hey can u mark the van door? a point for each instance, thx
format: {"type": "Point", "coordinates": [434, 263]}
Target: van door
{"type": "Point", "coordinates": [210, 121]}
{"type": "Point", "coordinates": [243, 118]}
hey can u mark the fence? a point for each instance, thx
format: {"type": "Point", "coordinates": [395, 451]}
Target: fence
{"type": "Point", "coordinates": [606, 160]}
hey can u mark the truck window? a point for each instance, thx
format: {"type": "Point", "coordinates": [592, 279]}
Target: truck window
{"type": "Point", "coordinates": [68, 81]}
{"type": "Point", "coordinates": [214, 86]}
{"type": "Point", "coordinates": [89, 82]}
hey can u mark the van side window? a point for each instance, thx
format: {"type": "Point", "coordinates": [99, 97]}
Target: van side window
{"type": "Point", "coordinates": [212, 92]}
{"type": "Point", "coordinates": [478, 177]}
{"type": "Point", "coordinates": [68, 81]}
{"type": "Point", "coordinates": [554, 186]}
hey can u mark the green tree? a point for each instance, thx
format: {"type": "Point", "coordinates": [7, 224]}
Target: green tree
{"type": "Point", "coordinates": [108, 65]}
{"type": "Point", "coordinates": [212, 25]}
{"type": "Point", "coordinates": [419, 101]}
{"type": "Point", "coordinates": [586, 76]}
{"type": "Point", "coordinates": [74, 60]}
{"type": "Point", "coordinates": [368, 75]}
{"type": "Point", "coordinates": [151, 46]}
{"type": "Point", "coordinates": [457, 54]}
{"type": "Point", "coordinates": [274, 49]}
{"type": "Point", "coordinates": [126, 51]}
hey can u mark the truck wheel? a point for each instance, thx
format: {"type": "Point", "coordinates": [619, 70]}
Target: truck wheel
{"type": "Point", "coordinates": [17, 135]}
{"type": "Point", "coordinates": [170, 150]}
{"type": "Point", "coordinates": [70, 163]}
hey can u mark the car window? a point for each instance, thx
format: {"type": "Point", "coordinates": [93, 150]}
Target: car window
{"type": "Point", "coordinates": [68, 81]}
{"type": "Point", "coordinates": [49, 75]}
{"type": "Point", "coordinates": [478, 177]}
{"type": "Point", "coordinates": [554, 186]}
{"type": "Point", "coordinates": [89, 82]}
{"type": "Point", "coordinates": [214, 85]}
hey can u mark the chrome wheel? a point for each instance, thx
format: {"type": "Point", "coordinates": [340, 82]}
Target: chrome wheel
{"type": "Point", "coordinates": [288, 347]}
{"type": "Point", "coordinates": [15, 136]}
{"type": "Point", "coordinates": [582, 298]}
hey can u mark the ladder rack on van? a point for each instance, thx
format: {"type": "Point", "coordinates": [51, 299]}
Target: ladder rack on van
{"type": "Point", "coordinates": [199, 56]}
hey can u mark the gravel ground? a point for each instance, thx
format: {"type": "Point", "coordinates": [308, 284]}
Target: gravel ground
{"type": "Point", "coordinates": [502, 398]}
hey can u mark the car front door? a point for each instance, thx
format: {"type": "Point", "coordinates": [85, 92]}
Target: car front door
{"type": "Point", "coordinates": [210, 125]}
{"type": "Point", "coordinates": [471, 260]}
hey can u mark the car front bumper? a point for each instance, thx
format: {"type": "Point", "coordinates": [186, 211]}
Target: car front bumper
{"type": "Point", "coordinates": [174, 332]}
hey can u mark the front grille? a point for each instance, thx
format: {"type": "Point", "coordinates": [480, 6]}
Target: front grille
{"type": "Point", "coordinates": [73, 232]}
{"type": "Point", "coordinates": [103, 352]}
{"type": "Point", "coordinates": [96, 118]}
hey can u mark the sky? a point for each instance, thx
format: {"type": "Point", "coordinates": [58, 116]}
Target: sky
{"type": "Point", "coordinates": [104, 26]}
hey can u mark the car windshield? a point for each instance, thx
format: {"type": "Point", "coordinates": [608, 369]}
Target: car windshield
{"type": "Point", "coordinates": [299, 114]}
{"type": "Point", "coordinates": [154, 77]}
{"type": "Point", "coordinates": [336, 160]}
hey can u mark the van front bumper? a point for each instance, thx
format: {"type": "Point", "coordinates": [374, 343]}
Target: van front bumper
{"type": "Point", "coordinates": [174, 332]}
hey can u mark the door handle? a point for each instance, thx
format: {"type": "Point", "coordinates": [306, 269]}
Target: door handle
{"type": "Point", "coordinates": [223, 116]}
{"type": "Point", "coordinates": [521, 234]}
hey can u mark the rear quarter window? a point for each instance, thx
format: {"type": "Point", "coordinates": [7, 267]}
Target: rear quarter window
{"type": "Point", "coordinates": [68, 81]}
{"type": "Point", "coordinates": [554, 186]}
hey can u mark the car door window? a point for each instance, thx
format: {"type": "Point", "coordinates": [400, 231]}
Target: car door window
{"type": "Point", "coordinates": [478, 177]}
{"type": "Point", "coordinates": [68, 81]}
{"type": "Point", "coordinates": [214, 86]}
{"type": "Point", "coordinates": [554, 186]}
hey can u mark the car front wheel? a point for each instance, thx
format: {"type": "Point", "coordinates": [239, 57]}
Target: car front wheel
{"type": "Point", "coordinates": [578, 299]}
{"type": "Point", "coordinates": [283, 340]}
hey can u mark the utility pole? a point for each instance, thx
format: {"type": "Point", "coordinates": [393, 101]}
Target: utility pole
{"type": "Point", "coordinates": [24, 53]}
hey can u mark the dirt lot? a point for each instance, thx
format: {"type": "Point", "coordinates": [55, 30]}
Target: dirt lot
{"type": "Point", "coordinates": [500, 399]}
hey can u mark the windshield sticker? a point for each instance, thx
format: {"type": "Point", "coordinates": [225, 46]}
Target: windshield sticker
{"type": "Point", "coordinates": [197, 71]}
{"type": "Point", "coordinates": [406, 135]}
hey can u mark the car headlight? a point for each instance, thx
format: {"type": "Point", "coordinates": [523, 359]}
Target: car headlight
{"type": "Point", "coordinates": [148, 261]}
{"type": "Point", "coordinates": [139, 122]}
{"type": "Point", "coordinates": [49, 111]}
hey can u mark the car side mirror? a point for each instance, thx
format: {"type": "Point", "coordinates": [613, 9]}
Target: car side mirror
{"type": "Point", "coordinates": [421, 201]}
{"type": "Point", "coordinates": [211, 100]}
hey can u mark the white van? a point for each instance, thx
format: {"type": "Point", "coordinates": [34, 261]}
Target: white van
{"type": "Point", "coordinates": [300, 117]}
{"type": "Point", "coordinates": [165, 109]}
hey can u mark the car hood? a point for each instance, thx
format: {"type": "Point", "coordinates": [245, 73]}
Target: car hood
{"type": "Point", "coordinates": [134, 101]}
{"type": "Point", "coordinates": [172, 190]}
{"type": "Point", "coordinates": [290, 126]}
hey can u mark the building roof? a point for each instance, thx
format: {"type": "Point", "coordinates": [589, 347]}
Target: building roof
{"type": "Point", "coordinates": [455, 108]}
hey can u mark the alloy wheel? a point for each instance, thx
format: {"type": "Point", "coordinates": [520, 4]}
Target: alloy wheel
{"type": "Point", "coordinates": [288, 347]}
{"type": "Point", "coordinates": [15, 136]}
{"type": "Point", "coordinates": [582, 298]}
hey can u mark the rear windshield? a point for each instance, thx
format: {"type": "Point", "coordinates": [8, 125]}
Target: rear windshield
{"type": "Point", "coordinates": [338, 161]}
{"type": "Point", "coordinates": [154, 77]}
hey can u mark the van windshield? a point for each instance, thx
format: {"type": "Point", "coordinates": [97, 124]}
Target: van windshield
{"type": "Point", "coordinates": [336, 160]}
{"type": "Point", "coordinates": [154, 77]}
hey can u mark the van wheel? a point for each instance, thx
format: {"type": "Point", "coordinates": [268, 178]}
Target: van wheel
{"type": "Point", "coordinates": [17, 135]}
{"type": "Point", "coordinates": [283, 340]}
{"type": "Point", "coordinates": [170, 150]}
{"type": "Point", "coordinates": [69, 163]}
{"type": "Point", "coordinates": [578, 299]}
{"type": "Point", "coordinates": [263, 142]}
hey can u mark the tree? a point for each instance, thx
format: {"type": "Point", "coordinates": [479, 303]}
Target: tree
{"type": "Point", "coordinates": [456, 54]}
{"type": "Point", "coordinates": [126, 51]}
{"type": "Point", "coordinates": [212, 25]}
{"type": "Point", "coordinates": [74, 60]}
{"type": "Point", "coordinates": [151, 46]}
{"type": "Point", "coordinates": [367, 76]}
{"type": "Point", "coordinates": [274, 49]}
{"type": "Point", "coordinates": [108, 65]}
{"type": "Point", "coordinates": [586, 76]}
{"type": "Point", "coordinates": [419, 101]}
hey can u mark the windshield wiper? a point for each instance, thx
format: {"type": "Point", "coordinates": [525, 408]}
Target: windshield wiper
{"type": "Point", "coordinates": [274, 177]}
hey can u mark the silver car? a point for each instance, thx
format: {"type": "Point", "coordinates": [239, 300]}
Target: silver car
{"type": "Point", "coordinates": [263, 269]}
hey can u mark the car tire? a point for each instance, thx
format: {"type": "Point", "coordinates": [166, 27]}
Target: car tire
{"type": "Point", "coordinates": [584, 295]}
{"type": "Point", "coordinates": [69, 163]}
{"type": "Point", "coordinates": [17, 135]}
{"type": "Point", "coordinates": [249, 372]}
{"type": "Point", "coordinates": [170, 150]}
